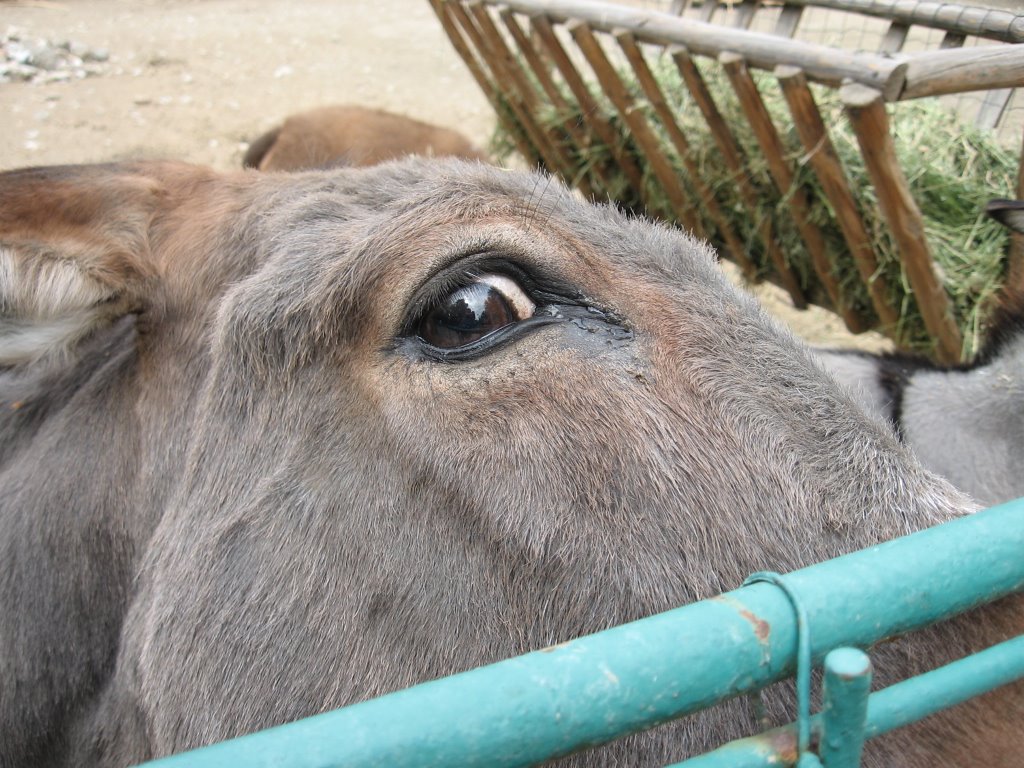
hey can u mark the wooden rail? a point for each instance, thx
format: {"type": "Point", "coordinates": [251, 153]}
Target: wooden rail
{"type": "Point", "coordinates": [965, 69]}
{"type": "Point", "coordinates": [764, 51]}
{"type": "Point", "coordinates": [990, 23]}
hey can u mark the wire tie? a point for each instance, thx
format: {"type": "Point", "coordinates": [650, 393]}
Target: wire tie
{"type": "Point", "coordinates": [806, 758]}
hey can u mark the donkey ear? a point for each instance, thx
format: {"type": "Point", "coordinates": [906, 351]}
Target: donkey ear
{"type": "Point", "coordinates": [1007, 212]}
{"type": "Point", "coordinates": [74, 254]}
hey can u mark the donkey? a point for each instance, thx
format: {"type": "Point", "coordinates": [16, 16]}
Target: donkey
{"type": "Point", "coordinates": [964, 422]}
{"type": "Point", "coordinates": [350, 135]}
{"type": "Point", "coordinates": [275, 443]}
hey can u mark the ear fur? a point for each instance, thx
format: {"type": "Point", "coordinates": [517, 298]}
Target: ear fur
{"type": "Point", "coordinates": [73, 255]}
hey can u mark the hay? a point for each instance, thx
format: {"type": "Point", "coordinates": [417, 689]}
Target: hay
{"type": "Point", "coordinates": [953, 170]}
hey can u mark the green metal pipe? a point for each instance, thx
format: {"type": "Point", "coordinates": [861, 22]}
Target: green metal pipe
{"type": "Point", "coordinates": [591, 690]}
{"type": "Point", "coordinates": [947, 686]}
{"type": "Point", "coordinates": [891, 708]}
{"type": "Point", "coordinates": [846, 689]}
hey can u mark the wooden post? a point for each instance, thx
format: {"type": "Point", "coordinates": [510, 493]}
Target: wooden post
{"type": "Point", "coordinates": [572, 128]}
{"type": "Point", "coordinates": [775, 153]}
{"type": "Point", "coordinates": [732, 155]}
{"type": "Point", "coordinates": [789, 18]}
{"type": "Point", "coordinates": [551, 148]}
{"type": "Point", "coordinates": [866, 110]}
{"type": "Point", "coordinates": [1015, 273]}
{"type": "Point", "coordinates": [506, 84]}
{"type": "Point", "coordinates": [822, 155]}
{"type": "Point", "coordinates": [953, 40]}
{"type": "Point", "coordinates": [894, 38]}
{"type": "Point", "coordinates": [490, 90]}
{"type": "Point", "coordinates": [653, 92]}
{"type": "Point", "coordinates": [707, 10]}
{"type": "Point", "coordinates": [647, 142]}
{"type": "Point", "coordinates": [745, 13]}
{"type": "Point", "coordinates": [541, 28]}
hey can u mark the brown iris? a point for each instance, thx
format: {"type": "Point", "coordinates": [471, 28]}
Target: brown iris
{"type": "Point", "coordinates": [475, 311]}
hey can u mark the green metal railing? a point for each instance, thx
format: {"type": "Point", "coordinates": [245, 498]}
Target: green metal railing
{"type": "Point", "coordinates": [594, 689]}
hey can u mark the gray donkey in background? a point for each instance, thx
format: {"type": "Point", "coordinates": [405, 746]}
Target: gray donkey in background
{"type": "Point", "coordinates": [271, 444]}
{"type": "Point", "coordinates": [964, 422]}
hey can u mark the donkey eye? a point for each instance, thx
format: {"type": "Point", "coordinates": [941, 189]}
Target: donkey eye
{"type": "Point", "coordinates": [488, 304]}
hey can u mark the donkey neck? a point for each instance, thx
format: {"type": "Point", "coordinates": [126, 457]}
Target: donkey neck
{"type": "Point", "coordinates": [969, 424]}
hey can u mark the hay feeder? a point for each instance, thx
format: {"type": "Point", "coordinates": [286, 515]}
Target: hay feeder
{"type": "Point", "coordinates": [773, 129]}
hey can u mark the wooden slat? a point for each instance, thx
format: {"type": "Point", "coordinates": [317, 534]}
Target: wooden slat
{"type": "Point", "coordinates": [490, 90]}
{"type": "Point", "coordinates": [707, 10]}
{"type": "Point", "coordinates": [993, 105]}
{"type": "Point", "coordinates": [953, 40]}
{"type": "Point", "coordinates": [788, 20]}
{"type": "Point", "coordinates": [745, 13]}
{"type": "Point", "coordinates": [1015, 276]}
{"type": "Point", "coordinates": [822, 63]}
{"type": "Point", "coordinates": [866, 110]}
{"type": "Point", "coordinates": [505, 81]}
{"type": "Point", "coordinates": [649, 84]}
{"type": "Point", "coordinates": [541, 28]}
{"type": "Point", "coordinates": [720, 130]}
{"type": "Point", "coordinates": [895, 37]}
{"type": "Point", "coordinates": [645, 139]}
{"type": "Point", "coordinates": [775, 153]}
{"type": "Point", "coordinates": [520, 92]}
{"type": "Point", "coordinates": [573, 129]}
{"type": "Point", "coordinates": [726, 142]}
{"type": "Point", "coordinates": [678, 6]}
{"type": "Point", "coordinates": [824, 159]}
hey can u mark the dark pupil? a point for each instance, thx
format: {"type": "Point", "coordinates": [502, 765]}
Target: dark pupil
{"type": "Point", "coordinates": [468, 314]}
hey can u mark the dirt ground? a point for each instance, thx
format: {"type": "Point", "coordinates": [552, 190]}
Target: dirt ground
{"type": "Point", "coordinates": [197, 79]}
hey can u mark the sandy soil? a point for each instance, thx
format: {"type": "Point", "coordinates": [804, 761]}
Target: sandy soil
{"type": "Point", "coordinates": [196, 79]}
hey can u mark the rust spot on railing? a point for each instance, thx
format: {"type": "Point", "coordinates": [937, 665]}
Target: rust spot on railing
{"type": "Point", "coordinates": [762, 629]}
{"type": "Point", "coordinates": [782, 743]}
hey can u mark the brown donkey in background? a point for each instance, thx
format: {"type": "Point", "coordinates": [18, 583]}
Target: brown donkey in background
{"type": "Point", "coordinates": [343, 135]}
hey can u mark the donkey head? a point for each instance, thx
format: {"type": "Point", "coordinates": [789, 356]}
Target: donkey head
{"type": "Point", "coordinates": [273, 444]}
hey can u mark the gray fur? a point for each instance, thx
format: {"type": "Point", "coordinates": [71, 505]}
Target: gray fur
{"type": "Point", "coordinates": [964, 422]}
{"type": "Point", "coordinates": [249, 500]}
